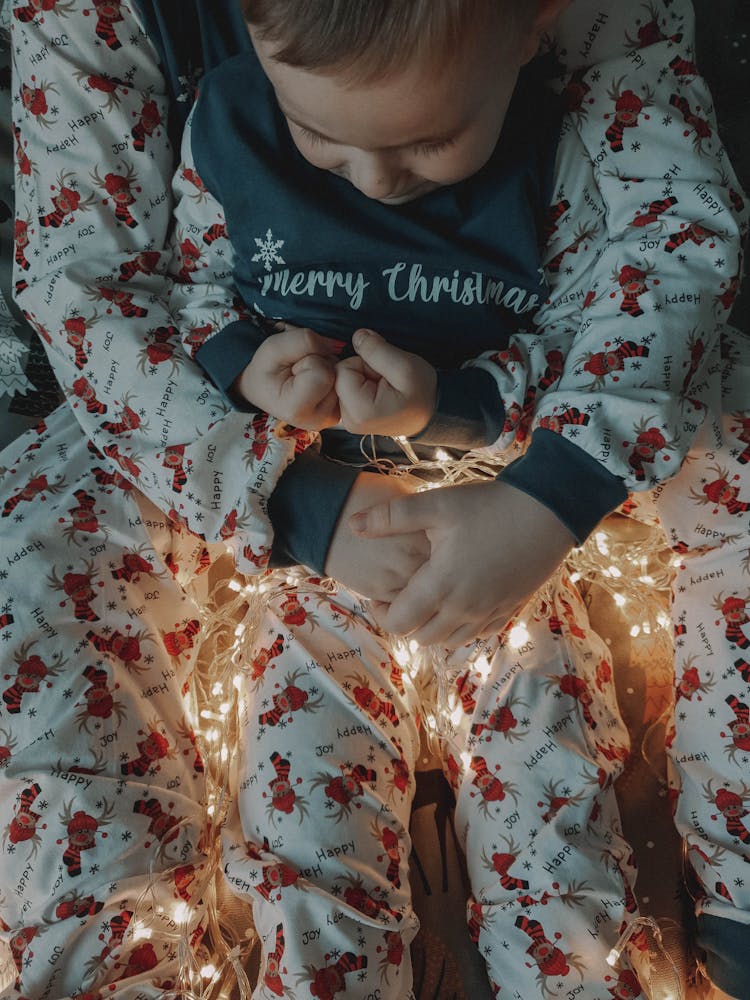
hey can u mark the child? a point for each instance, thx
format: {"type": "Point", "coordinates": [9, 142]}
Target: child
{"type": "Point", "coordinates": [360, 910]}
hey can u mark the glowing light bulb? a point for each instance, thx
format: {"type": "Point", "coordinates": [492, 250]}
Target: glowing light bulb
{"type": "Point", "coordinates": [224, 708]}
{"type": "Point", "coordinates": [615, 571]}
{"type": "Point", "coordinates": [208, 971]}
{"type": "Point", "coordinates": [635, 631]}
{"type": "Point", "coordinates": [141, 932]}
{"type": "Point", "coordinates": [235, 585]}
{"type": "Point", "coordinates": [647, 579]}
{"type": "Point", "coordinates": [601, 542]}
{"type": "Point", "coordinates": [181, 913]}
{"type": "Point", "coordinates": [465, 759]}
{"type": "Point", "coordinates": [216, 689]}
{"type": "Point", "coordinates": [456, 715]}
{"type": "Point", "coordinates": [519, 635]}
{"type": "Point", "coordinates": [441, 455]}
{"type": "Point", "coordinates": [620, 600]}
{"type": "Point", "coordinates": [482, 665]}
{"type": "Point", "coordinates": [613, 958]}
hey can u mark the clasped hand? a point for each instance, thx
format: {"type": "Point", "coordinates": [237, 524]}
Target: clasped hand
{"type": "Point", "coordinates": [297, 376]}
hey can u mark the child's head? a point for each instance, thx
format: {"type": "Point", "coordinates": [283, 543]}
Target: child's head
{"type": "Point", "coordinates": [397, 96]}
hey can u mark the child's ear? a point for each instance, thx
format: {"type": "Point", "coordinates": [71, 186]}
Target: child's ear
{"type": "Point", "coordinates": [544, 20]}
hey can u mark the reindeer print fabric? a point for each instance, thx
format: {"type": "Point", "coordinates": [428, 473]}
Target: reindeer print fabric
{"type": "Point", "coordinates": [116, 506]}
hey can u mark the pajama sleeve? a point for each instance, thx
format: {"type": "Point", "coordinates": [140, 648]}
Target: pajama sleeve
{"type": "Point", "coordinates": [644, 260]}
{"type": "Point", "coordinates": [94, 207]}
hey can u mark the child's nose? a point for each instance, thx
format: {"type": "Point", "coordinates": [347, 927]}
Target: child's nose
{"type": "Point", "coordinates": [376, 175]}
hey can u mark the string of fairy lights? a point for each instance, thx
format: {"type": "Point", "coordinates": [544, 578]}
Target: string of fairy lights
{"type": "Point", "coordinates": [633, 566]}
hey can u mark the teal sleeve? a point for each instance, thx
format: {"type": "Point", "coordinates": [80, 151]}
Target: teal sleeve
{"type": "Point", "coordinates": [305, 507]}
{"type": "Point", "coordinates": [566, 479]}
{"type": "Point", "coordinates": [469, 411]}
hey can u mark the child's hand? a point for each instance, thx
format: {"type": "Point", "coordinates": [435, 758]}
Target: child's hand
{"type": "Point", "coordinates": [376, 568]}
{"type": "Point", "coordinates": [492, 547]}
{"type": "Point", "coordinates": [293, 377]}
{"type": "Point", "coordinates": [384, 390]}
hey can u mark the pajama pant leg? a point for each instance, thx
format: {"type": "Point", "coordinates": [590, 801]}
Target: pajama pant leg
{"type": "Point", "coordinates": [101, 788]}
{"type": "Point", "coordinates": [537, 742]}
{"type": "Point", "coordinates": [706, 514]}
{"type": "Point", "coordinates": [329, 742]}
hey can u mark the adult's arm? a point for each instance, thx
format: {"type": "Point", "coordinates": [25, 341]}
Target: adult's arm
{"type": "Point", "coordinates": [643, 259]}
{"type": "Point", "coordinates": [94, 210]}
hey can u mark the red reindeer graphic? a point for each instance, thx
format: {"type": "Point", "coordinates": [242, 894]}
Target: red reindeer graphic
{"type": "Point", "coordinates": [650, 31]}
{"type": "Point", "coordinates": [731, 807]}
{"type": "Point", "coordinates": [489, 786]}
{"type": "Point", "coordinates": [695, 233]}
{"type": "Point", "coordinates": [501, 862]}
{"type": "Point", "coordinates": [145, 262]}
{"type": "Point", "coordinates": [153, 748]}
{"type": "Point", "coordinates": [650, 215]}
{"type": "Point", "coordinates": [557, 421]}
{"type": "Point", "coordinates": [609, 362]}
{"type": "Point", "coordinates": [391, 850]}
{"type": "Point", "coordinates": [698, 126]}
{"type": "Point", "coordinates": [628, 109]}
{"type": "Point", "coordinates": [163, 824]}
{"type": "Point", "coordinates": [84, 390]}
{"type": "Point", "coordinates": [649, 442]}
{"type": "Point", "coordinates": [35, 10]}
{"type": "Point", "coordinates": [582, 233]}
{"type": "Point", "coordinates": [329, 980]}
{"type": "Point", "coordinates": [181, 640]}
{"type": "Point", "coordinates": [75, 328]}
{"type": "Point", "coordinates": [720, 492]}
{"type": "Point", "coordinates": [148, 121]}
{"type": "Point", "coordinates": [35, 489]}
{"type": "Point", "coordinates": [501, 720]}
{"type": "Point", "coordinates": [23, 826]}
{"type": "Point", "coordinates": [555, 798]}
{"type": "Point", "coordinates": [174, 460]}
{"type": "Point", "coordinates": [121, 300]}
{"type": "Point", "coordinates": [34, 100]}
{"type": "Point", "coordinates": [82, 829]}
{"type": "Point", "coordinates": [66, 202]}
{"type": "Point", "coordinates": [127, 421]}
{"type": "Point", "coordinates": [273, 967]}
{"type": "Point", "coordinates": [375, 705]}
{"type": "Point", "coordinates": [108, 14]}
{"type": "Point", "coordinates": [290, 699]}
{"type": "Point", "coordinates": [263, 658]}
{"type": "Point", "coordinates": [690, 683]}
{"type": "Point", "coordinates": [276, 874]}
{"type": "Point", "coordinates": [83, 517]}
{"type": "Point", "coordinates": [742, 432]}
{"type": "Point", "coordinates": [550, 960]}
{"type": "Point", "coordinates": [72, 904]}
{"type": "Point", "coordinates": [633, 284]}
{"type": "Point", "coordinates": [218, 231]}
{"type": "Point", "coordinates": [133, 567]}
{"type": "Point", "coordinates": [283, 798]}
{"type": "Point", "coordinates": [733, 610]}
{"type": "Point", "coordinates": [99, 701]}
{"type": "Point", "coordinates": [78, 587]}
{"type": "Point", "coordinates": [121, 646]}
{"type": "Point", "coordinates": [739, 729]}
{"type": "Point", "coordinates": [32, 673]}
{"type": "Point", "coordinates": [119, 188]}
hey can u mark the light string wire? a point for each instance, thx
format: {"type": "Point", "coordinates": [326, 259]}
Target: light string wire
{"type": "Point", "coordinates": [632, 571]}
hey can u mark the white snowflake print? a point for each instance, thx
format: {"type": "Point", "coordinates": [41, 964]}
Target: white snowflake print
{"type": "Point", "coordinates": [268, 250]}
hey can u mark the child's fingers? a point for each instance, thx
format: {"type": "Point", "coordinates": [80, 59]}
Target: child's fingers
{"type": "Point", "coordinates": [294, 343]}
{"type": "Point", "coordinates": [395, 365]}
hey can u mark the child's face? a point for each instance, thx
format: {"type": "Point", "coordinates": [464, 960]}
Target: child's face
{"type": "Point", "coordinates": [411, 132]}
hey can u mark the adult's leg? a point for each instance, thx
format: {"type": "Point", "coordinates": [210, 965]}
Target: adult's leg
{"type": "Point", "coordinates": [706, 514]}
{"type": "Point", "coordinates": [537, 743]}
{"type": "Point", "coordinates": [101, 787]}
{"type": "Point", "coordinates": [321, 845]}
